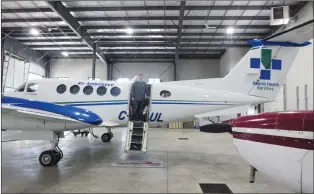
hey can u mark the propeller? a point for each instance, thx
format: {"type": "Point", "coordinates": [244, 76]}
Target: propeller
{"type": "Point", "coordinates": [209, 27]}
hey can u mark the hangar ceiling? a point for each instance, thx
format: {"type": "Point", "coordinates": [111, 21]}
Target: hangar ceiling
{"type": "Point", "coordinates": [137, 29]}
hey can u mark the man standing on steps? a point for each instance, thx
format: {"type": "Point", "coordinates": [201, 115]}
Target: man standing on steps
{"type": "Point", "coordinates": [139, 92]}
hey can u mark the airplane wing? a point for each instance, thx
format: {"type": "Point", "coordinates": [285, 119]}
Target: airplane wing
{"type": "Point", "coordinates": [22, 114]}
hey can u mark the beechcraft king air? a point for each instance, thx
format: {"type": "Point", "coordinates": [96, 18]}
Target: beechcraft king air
{"type": "Point", "coordinates": [63, 105]}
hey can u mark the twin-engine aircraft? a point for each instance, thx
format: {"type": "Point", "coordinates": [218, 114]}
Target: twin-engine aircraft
{"type": "Point", "coordinates": [51, 106]}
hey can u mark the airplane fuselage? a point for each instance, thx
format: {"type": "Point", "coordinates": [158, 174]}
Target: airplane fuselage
{"type": "Point", "coordinates": [180, 104]}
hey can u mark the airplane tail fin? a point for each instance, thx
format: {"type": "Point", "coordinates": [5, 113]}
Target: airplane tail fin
{"type": "Point", "coordinates": [262, 71]}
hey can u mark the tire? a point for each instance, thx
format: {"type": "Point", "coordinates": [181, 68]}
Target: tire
{"type": "Point", "coordinates": [58, 156]}
{"type": "Point", "coordinates": [106, 137]}
{"type": "Point", "coordinates": [47, 158]}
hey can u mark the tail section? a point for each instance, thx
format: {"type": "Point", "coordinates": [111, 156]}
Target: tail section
{"type": "Point", "coordinates": [262, 71]}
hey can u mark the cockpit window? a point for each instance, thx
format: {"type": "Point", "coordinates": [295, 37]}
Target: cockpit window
{"type": "Point", "coordinates": [165, 93]}
{"type": "Point", "coordinates": [21, 88]}
{"type": "Point", "coordinates": [32, 87]}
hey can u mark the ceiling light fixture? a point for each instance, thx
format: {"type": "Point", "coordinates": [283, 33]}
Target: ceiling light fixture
{"type": "Point", "coordinates": [34, 31]}
{"type": "Point", "coordinates": [129, 30]}
{"type": "Point", "coordinates": [230, 30]}
{"type": "Point", "coordinates": [64, 53]}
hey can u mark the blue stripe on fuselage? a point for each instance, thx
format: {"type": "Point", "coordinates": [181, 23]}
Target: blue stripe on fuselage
{"type": "Point", "coordinates": [68, 111]}
{"type": "Point", "coordinates": [170, 102]}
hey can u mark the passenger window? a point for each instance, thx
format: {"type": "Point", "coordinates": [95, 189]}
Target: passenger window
{"type": "Point", "coordinates": [102, 90]}
{"type": "Point", "coordinates": [165, 93]}
{"type": "Point", "coordinates": [32, 87]}
{"type": "Point", "coordinates": [88, 90]}
{"type": "Point", "coordinates": [61, 89]}
{"type": "Point", "coordinates": [115, 91]}
{"type": "Point", "coordinates": [74, 89]}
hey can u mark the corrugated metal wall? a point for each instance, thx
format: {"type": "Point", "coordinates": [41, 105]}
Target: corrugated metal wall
{"type": "Point", "coordinates": [300, 76]}
{"type": "Point", "coordinates": [16, 73]}
{"type": "Point", "coordinates": [187, 69]}
{"type": "Point", "coordinates": [198, 69]}
{"type": "Point", "coordinates": [230, 58]}
{"type": "Point", "coordinates": [80, 69]}
{"type": "Point", "coordinates": [162, 70]}
{"type": "Point", "coordinates": [297, 93]}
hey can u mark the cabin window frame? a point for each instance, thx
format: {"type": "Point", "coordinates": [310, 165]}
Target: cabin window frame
{"type": "Point", "coordinates": [99, 88]}
{"type": "Point", "coordinates": [64, 89]}
{"type": "Point", "coordinates": [114, 88]}
{"type": "Point", "coordinates": [79, 89]}
{"type": "Point", "coordinates": [165, 91]}
{"type": "Point", "coordinates": [87, 87]}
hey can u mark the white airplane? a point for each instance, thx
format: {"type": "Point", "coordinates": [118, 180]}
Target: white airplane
{"type": "Point", "coordinates": [55, 106]}
{"type": "Point", "coordinates": [278, 145]}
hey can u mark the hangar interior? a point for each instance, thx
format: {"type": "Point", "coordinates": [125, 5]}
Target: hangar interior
{"type": "Point", "coordinates": [164, 40]}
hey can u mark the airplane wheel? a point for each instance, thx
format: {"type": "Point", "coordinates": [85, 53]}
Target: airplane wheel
{"type": "Point", "coordinates": [58, 156]}
{"type": "Point", "coordinates": [48, 158]}
{"type": "Point", "coordinates": [106, 137]}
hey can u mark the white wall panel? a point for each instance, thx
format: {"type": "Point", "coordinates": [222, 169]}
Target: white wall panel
{"type": "Point", "coordinates": [198, 69]}
{"type": "Point", "coordinates": [17, 70]}
{"type": "Point", "coordinates": [300, 74]}
{"type": "Point", "coordinates": [80, 69]}
{"type": "Point", "coordinates": [231, 57]}
{"type": "Point", "coordinates": [37, 69]}
{"type": "Point", "coordinates": [162, 70]}
{"type": "Point", "coordinates": [186, 69]}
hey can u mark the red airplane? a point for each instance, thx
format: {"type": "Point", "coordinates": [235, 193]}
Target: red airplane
{"type": "Point", "coordinates": [276, 144]}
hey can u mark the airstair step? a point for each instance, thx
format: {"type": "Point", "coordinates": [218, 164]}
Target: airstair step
{"type": "Point", "coordinates": [135, 146]}
{"type": "Point", "coordinates": [137, 143]}
{"type": "Point", "coordinates": [136, 139]}
{"type": "Point", "coordinates": [137, 131]}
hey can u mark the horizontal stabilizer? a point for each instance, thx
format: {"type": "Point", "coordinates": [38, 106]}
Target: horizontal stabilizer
{"type": "Point", "coordinates": [227, 111]}
{"type": "Point", "coordinates": [298, 34]}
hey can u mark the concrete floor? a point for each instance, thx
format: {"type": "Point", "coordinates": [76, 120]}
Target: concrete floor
{"type": "Point", "coordinates": [85, 168]}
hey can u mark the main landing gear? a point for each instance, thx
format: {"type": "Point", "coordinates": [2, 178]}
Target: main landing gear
{"type": "Point", "coordinates": [54, 155]}
{"type": "Point", "coordinates": [106, 137]}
